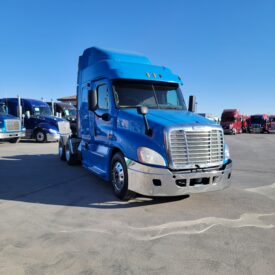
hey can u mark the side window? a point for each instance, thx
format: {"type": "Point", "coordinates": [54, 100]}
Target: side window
{"type": "Point", "coordinates": [103, 97]}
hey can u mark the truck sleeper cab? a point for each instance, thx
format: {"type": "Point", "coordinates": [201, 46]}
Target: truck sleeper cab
{"type": "Point", "coordinates": [38, 120]}
{"type": "Point", "coordinates": [11, 128]}
{"type": "Point", "coordinates": [134, 130]}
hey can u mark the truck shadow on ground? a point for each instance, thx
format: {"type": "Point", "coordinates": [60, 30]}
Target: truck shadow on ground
{"type": "Point", "coordinates": [44, 179]}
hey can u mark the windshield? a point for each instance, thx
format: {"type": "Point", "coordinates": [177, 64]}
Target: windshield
{"type": "Point", "coordinates": [42, 111]}
{"type": "Point", "coordinates": [70, 112]}
{"type": "Point", "coordinates": [227, 118]}
{"type": "Point", "coordinates": [3, 110]}
{"type": "Point", "coordinates": [256, 120]}
{"type": "Point", "coordinates": [157, 96]}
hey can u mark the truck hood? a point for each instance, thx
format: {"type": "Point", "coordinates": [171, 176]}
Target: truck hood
{"type": "Point", "coordinates": [49, 120]}
{"type": "Point", "coordinates": [2, 117]}
{"type": "Point", "coordinates": [168, 118]}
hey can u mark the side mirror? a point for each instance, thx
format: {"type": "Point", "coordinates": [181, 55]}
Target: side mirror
{"type": "Point", "coordinates": [28, 114]}
{"type": "Point", "coordinates": [142, 110]}
{"type": "Point", "coordinates": [192, 104]}
{"type": "Point", "coordinates": [92, 100]}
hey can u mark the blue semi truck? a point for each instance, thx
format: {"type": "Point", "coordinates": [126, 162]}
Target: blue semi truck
{"type": "Point", "coordinates": [37, 118]}
{"type": "Point", "coordinates": [11, 128]}
{"type": "Point", "coordinates": [134, 130]}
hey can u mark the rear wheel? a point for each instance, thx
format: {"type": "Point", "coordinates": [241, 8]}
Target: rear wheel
{"type": "Point", "coordinates": [61, 151]}
{"type": "Point", "coordinates": [14, 140]}
{"type": "Point", "coordinates": [119, 178]}
{"type": "Point", "coordinates": [40, 136]}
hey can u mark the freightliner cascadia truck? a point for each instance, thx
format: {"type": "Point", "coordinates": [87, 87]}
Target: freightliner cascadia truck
{"type": "Point", "coordinates": [37, 117]}
{"type": "Point", "coordinates": [11, 128]}
{"type": "Point", "coordinates": [134, 130]}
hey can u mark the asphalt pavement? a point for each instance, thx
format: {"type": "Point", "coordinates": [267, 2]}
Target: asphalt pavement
{"type": "Point", "coordinates": [57, 219]}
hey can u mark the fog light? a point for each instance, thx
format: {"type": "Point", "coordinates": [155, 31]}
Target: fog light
{"type": "Point", "coordinates": [217, 179]}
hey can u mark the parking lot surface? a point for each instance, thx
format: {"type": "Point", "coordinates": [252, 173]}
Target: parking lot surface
{"type": "Point", "coordinates": [57, 219]}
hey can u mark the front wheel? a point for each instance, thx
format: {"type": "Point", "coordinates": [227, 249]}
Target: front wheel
{"type": "Point", "coordinates": [40, 136]}
{"type": "Point", "coordinates": [119, 178]}
{"type": "Point", "coordinates": [71, 158]}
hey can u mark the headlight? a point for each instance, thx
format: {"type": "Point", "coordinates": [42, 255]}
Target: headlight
{"type": "Point", "coordinates": [52, 131]}
{"type": "Point", "coordinates": [148, 156]}
{"type": "Point", "coordinates": [226, 152]}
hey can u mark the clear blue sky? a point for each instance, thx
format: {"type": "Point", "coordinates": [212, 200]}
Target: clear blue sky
{"type": "Point", "coordinates": [224, 50]}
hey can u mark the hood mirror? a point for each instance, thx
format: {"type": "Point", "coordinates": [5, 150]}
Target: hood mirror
{"type": "Point", "coordinates": [27, 114]}
{"type": "Point", "coordinates": [192, 104]}
{"type": "Point", "coordinates": [143, 110]}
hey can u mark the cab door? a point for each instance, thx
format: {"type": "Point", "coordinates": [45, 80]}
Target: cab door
{"type": "Point", "coordinates": [103, 127]}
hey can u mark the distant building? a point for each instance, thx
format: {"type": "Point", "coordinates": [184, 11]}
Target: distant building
{"type": "Point", "coordinates": [68, 99]}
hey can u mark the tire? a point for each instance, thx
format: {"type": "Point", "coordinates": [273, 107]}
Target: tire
{"type": "Point", "coordinates": [40, 136]}
{"type": "Point", "coordinates": [70, 158]}
{"type": "Point", "coordinates": [119, 178]}
{"type": "Point", "coordinates": [14, 140]}
{"type": "Point", "coordinates": [61, 151]}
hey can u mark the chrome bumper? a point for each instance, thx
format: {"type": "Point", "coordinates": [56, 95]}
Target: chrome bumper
{"type": "Point", "coordinates": [228, 131]}
{"type": "Point", "coordinates": [256, 130]}
{"type": "Point", "coordinates": [10, 135]}
{"type": "Point", "coordinates": [53, 137]}
{"type": "Point", "coordinates": [142, 179]}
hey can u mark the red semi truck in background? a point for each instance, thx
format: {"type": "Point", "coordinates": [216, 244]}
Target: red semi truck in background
{"type": "Point", "coordinates": [259, 124]}
{"type": "Point", "coordinates": [233, 122]}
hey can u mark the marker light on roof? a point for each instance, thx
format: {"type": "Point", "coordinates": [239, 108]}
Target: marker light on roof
{"type": "Point", "coordinates": [148, 75]}
{"type": "Point", "coordinates": [154, 75]}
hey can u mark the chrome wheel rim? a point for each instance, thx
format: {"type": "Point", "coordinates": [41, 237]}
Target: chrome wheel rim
{"type": "Point", "coordinates": [40, 136]}
{"type": "Point", "coordinates": [118, 177]}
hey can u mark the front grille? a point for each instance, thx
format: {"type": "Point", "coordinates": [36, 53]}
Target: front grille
{"type": "Point", "coordinates": [195, 148]}
{"type": "Point", "coordinates": [12, 125]}
{"type": "Point", "coordinates": [64, 127]}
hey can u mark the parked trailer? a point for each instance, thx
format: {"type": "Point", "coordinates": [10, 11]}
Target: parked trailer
{"type": "Point", "coordinates": [231, 121]}
{"type": "Point", "coordinates": [259, 123]}
{"type": "Point", "coordinates": [11, 128]}
{"type": "Point", "coordinates": [134, 130]}
{"type": "Point", "coordinates": [37, 117]}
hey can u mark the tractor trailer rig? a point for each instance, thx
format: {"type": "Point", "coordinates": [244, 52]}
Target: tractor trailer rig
{"type": "Point", "coordinates": [134, 130]}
